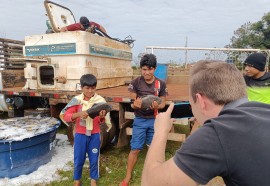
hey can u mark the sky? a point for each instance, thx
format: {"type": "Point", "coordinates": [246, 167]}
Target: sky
{"type": "Point", "coordinates": [171, 23]}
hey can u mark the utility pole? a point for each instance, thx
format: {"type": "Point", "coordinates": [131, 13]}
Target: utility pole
{"type": "Point", "coordinates": [186, 53]}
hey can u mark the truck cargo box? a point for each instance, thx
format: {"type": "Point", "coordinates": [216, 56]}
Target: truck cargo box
{"type": "Point", "coordinates": [72, 54]}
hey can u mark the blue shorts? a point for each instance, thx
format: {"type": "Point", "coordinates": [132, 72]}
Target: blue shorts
{"type": "Point", "coordinates": [142, 132]}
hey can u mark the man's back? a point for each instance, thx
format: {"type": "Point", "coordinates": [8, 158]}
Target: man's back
{"type": "Point", "coordinates": [235, 145]}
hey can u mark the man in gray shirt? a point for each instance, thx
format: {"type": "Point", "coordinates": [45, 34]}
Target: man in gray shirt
{"type": "Point", "coordinates": [233, 141]}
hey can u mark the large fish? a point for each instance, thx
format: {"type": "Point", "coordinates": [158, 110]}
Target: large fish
{"type": "Point", "coordinates": [148, 100]}
{"type": "Point", "coordinates": [97, 107]}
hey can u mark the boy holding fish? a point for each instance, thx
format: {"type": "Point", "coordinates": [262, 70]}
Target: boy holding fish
{"type": "Point", "coordinates": [87, 129]}
{"type": "Point", "coordinates": [149, 94]}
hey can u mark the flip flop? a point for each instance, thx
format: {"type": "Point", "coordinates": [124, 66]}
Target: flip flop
{"type": "Point", "coordinates": [97, 107]}
{"type": "Point", "coordinates": [148, 100]}
{"type": "Point", "coordinates": [124, 183]}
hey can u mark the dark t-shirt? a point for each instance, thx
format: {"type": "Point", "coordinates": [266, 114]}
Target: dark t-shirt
{"type": "Point", "coordinates": [260, 82]}
{"type": "Point", "coordinates": [141, 88]}
{"type": "Point", "coordinates": [77, 26]}
{"type": "Point", "coordinates": [235, 146]}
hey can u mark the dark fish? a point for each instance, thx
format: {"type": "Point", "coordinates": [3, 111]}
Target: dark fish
{"type": "Point", "coordinates": [148, 100]}
{"type": "Point", "coordinates": [97, 107]}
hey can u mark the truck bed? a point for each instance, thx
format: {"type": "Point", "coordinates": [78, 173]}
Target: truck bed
{"type": "Point", "coordinates": [176, 93]}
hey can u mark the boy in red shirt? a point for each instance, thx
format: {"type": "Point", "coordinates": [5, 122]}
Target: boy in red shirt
{"type": "Point", "coordinates": [87, 130]}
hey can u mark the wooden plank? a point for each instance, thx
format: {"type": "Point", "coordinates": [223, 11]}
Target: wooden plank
{"type": "Point", "coordinates": [11, 67]}
{"type": "Point", "coordinates": [11, 41]}
{"type": "Point", "coordinates": [176, 137]}
{"type": "Point", "coordinates": [181, 121]}
{"type": "Point", "coordinates": [4, 57]}
{"type": "Point", "coordinates": [29, 60]}
{"type": "Point", "coordinates": [10, 54]}
{"type": "Point", "coordinates": [13, 46]}
{"type": "Point", "coordinates": [171, 136]}
{"type": "Point", "coordinates": [53, 101]}
{"type": "Point", "coordinates": [11, 50]}
{"type": "Point", "coordinates": [13, 62]}
{"type": "Point", "coordinates": [13, 78]}
{"type": "Point", "coordinates": [178, 121]}
{"type": "Point", "coordinates": [123, 139]}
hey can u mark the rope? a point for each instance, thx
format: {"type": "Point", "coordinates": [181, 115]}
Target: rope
{"type": "Point", "coordinates": [128, 40]}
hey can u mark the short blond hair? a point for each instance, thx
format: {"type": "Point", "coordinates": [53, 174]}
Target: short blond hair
{"type": "Point", "coordinates": [220, 82]}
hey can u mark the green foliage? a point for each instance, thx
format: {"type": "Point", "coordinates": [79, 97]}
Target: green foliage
{"type": "Point", "coordinates": [134, 67]}
{"type": "Point", "coordinates": [252, 35]}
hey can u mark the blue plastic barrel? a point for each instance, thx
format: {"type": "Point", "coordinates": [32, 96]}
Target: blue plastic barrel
{"type": "Point", "coordinates": [23, 157]}
{"type": "Point", "coordinates": [161, 71]}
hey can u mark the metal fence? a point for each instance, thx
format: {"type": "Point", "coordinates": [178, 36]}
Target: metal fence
{"type": "Point", "coordinates": [186, 56]}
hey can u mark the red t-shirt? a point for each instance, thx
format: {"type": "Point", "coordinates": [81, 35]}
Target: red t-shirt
{"type": "Point", "coordinates": [77, 26]}
{"type": "Point", "coordinates": [79, 128]}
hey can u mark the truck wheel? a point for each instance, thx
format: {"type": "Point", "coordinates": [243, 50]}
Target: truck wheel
{"type": "Point", "coordinates": [104, 136]}
{"type": "Point", "coordinates": [114, 132]}
{"type": "Point", "coordinates": [70, 134]}
{"type": "Point", "coordinates": [107, 137]}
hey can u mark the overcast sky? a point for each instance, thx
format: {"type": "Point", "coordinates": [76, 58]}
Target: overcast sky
{"type": "Point", "coordinates": [206, 23]}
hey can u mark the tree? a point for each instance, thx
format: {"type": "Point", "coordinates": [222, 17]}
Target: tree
{"type": "Point", "coordinates": [252, 35]}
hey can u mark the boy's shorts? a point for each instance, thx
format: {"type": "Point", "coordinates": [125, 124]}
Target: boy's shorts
{"type": "Point", "coordinates": [142, 132]}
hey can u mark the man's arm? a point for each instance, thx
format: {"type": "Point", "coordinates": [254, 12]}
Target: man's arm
{"type": "Point", "coordinates": [102, 29]}
{"type": "Point", "coordinates": [92, 23]}
{"type": "Point", "coordinates": [156, 170]}
{"type": "Point", "coordinates": [63, 29]}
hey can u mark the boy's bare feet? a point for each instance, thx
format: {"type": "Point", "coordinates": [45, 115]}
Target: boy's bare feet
{"type": "Point", "coordinates": [93, 182]}
{"type": "Point", "coordinates": [77, 183]}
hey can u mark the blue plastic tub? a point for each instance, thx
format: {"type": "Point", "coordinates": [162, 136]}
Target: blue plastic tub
{"type": "Point", "coordinates": [161, 71]}
{"type": "Point", "coordinates": [23, 157]}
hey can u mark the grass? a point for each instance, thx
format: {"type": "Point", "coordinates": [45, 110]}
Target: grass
{"type": "Point", "coordinates": [113, 163]}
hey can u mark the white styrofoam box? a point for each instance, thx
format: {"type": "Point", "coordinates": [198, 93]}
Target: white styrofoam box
{"type": "Point", "coordinates": [82, 40]}
{"type": "Point", "coordinates": [73, 54]}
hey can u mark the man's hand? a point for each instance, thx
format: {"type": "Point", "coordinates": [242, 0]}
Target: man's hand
{"type": "Point", "coordinates": [137, 104]}
{"type": "Point", "coordinates": [102, 114]}
{"type": "Point", "coordinates": [63, 29]}
{"type": "Point", "coordinates": [91, 29]}
{"type": "Point", "coordinates": [154, 105]}
{"type": "Point", "coordinates": [163, 122]}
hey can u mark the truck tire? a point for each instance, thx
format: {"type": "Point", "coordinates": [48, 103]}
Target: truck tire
{"type": "Point", "coordinates": [107, 137]}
